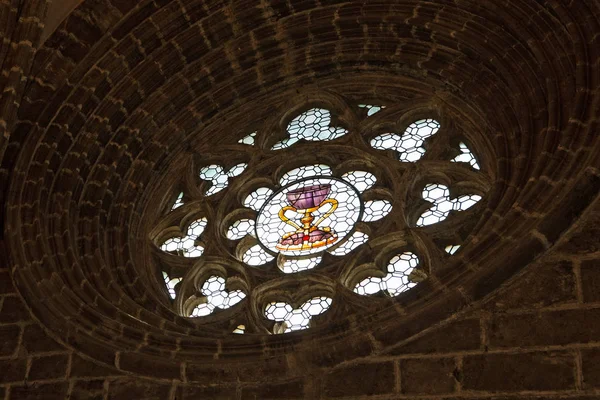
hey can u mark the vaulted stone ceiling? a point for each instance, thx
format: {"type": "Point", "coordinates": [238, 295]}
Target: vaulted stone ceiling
{"type": "Point", "coordinates": [96, 108]}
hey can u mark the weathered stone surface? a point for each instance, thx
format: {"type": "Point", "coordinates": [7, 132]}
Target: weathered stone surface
{"type": "Point", "coordinates": [9, 338]}
{"type": "Point", "coordinates": [456, 336]}
{"type": "Point", "coordinates": [131, 388]}
{"type": "Point", "coordinates": [361, 379]}
{"type": "Point", "coordinates": [49, 367]}
{"type": "Point", "coordinates": [290, 390]}
{"type": "Point", "coordinates": [13, 370]}
{"type": "Point", "coordinates": [91, 390]}
{"type": "Point", "coordinates": [547, 284]}
{"type": "Point", "coordinates": [590, 280]}
{"type": "Point", "coordinates": [514, 372]}
{"type": "Point", "coordinates": [428, 376]}
{"type": "Point", "coordinates": [591, 368]}
{"type": "Point", "coordinates": [545, 328]}
{"type": "Point", "coordinates": [39, 391]}
{"type": "Point", "coordinates": [107, 108]}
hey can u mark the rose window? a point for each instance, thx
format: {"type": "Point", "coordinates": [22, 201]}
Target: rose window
{"type": "Point", "coordinates": [318, 208]}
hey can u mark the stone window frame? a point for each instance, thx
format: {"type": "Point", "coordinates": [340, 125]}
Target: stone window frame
{"type": "Point", "coordinates": [428, 243]}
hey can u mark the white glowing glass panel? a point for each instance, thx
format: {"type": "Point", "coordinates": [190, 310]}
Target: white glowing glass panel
{"type": "Point", "coordinates": [291, 319]}
{"type": "Point", "coordinates": [467, 157]}
{"type": "Point", "coordinates": [409, 144]}
{"type": "Point", "coordinates": [376, 210]}
{"type": "Point", "coordinates": [186, 246]}
{"type": "Point", "coordinates": [240, 330]}
{"type": "Point", "coordinates": [397, 279]}
{"type": "Point", "coordinates": [178, 202]}
{"type": "Point", "coordinates": [171, 283]}
{"type": "Point", "coordinates": [371, 109]}
{"type": "Point", "coordinates": [249, 140]}
{"type": "Point", "coordinates": [354, 241]}
{"type": "Point", "coordinates": [237, 170]}
{"type": "Point", "coordinates": [256, 256]}
{"type": "Point", "coordinates": [257, 198]}
{"type": "Point", "coordinates": [452, 249]}
{"type": "Point", "coordinates": [312, 125]}
{"type": "Point", "coordinates": [465, 202]}
{"type": "Point", "coordinates": [293, 266]}
{"type": "Point", "coordinates": [218, 177]}
{"type": "Point", "coordinates": [361, 180]}
{"type": "Point", "coordinates": [217, 297]}
{"type": "Point", "coordinates": [285, 143]}
{"type": "Point", "coordinates": [305, 171]}
{"type": "Point", "coordinates": [202, 310]}
{"type": "Point", "coordinates": [240, 228]}
{"type": "Point", "coordinates": [439, 195]}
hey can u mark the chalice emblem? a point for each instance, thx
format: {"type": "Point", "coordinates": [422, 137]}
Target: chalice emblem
{"type": "Point", "coordinates": [305, 201]}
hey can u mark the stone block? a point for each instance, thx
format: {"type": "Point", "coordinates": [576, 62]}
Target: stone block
{"type": "Point", "coordinates": [81, 367]}
{"type": "Point", "coordinates": [49, 367]}
{"type": "Point", "coordinates": [546, 328]}
{"type": "Point", "coordinates": [206, 393]}
{"type": "Point", "coordinates": [288, 390]}
{"type": "Point", "coordinates": [584, 239]}
{"type": "Point", "coordinates": [360, 379]}
{"type": "Point", "coordinates": [543, 285]}
{"type": "Point", "coordinates": [6, 285]}
{"type": "Point", "coordinates": [149, 366]}
{"type": "Point", "coordinates": [428, 375]}
{"type": "Point", "coordinates": [132, 388]}
{"type": "Point", "coordinates": [13, 370]}
{"type": "Point", "coordinates": [13, 310]}
{"type": "Point", "coordinates": [590, 280]}
{"type": "Point", "coordinates": [35, 340]}
{"type": "Point", "coordinates": [455, 336]}
{"type": "Point", "coordinates": [9, 338]}
{"type": "Point", "coordinates": [591, 368]}
{"type": "Point", "coordinates": [88, 390]}
{"type": "Point", "coordinates": [36, 391]}
{"type": "Point", "coordinates": [518, 372]}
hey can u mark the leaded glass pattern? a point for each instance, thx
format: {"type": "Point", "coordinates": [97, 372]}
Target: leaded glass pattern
{"type": "Point", "coordinates": [187, 245]}
{"type": "Point", "coordinates": [218, 177]}
{"type": "Point", "coordinates": [334, 210]}
{"type": "Point", "coordinates": [290, 319]}
{"type": "Point", "coordinates": [312, 125]}
{"type": "Point", "coordinates": [397, 280]}
{"type": "Point", "coordinates": [466, 156]}
{"type": "Point", "coordinates": [409, 144]}
{"type": "Point", "coordinates": [215, 296]}
{"type": "Point", "coordinates": [439, 195]}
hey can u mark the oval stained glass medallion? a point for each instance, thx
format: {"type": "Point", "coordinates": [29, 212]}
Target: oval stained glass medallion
{"type": "Point", "coordinates": [308, 216]}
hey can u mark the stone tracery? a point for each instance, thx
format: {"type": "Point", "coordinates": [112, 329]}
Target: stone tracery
{"type": "Point", "coordinates": [97, 123]}
{"type": "Point", "coordinates": [296, 217]}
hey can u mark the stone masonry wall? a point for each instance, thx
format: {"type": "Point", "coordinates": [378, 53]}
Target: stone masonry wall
{"type": "Point", "coordinates": [91, 116]}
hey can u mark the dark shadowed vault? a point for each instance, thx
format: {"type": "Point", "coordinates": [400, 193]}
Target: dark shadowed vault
{"type": "Point", "coordinates": [103, 103]}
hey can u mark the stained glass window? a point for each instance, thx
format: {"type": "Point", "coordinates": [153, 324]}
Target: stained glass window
{"type": "Point", "coordinates": [187, 246]}
{"type": "Point", "coordinates": [312, 125]}
{"type": "Point", "coordinates": [294, 226]}
{"type": "Point", "coordinates": [397, 279]}
{"type": "Point", "coordinates": [290, 319]}
{"type": "Point", "coordinates": [249, 140]}
{"type": "Point", "coordinates": [312, 211]}
{"type": "Point", "coordinates": [218, 177]}
{"type": "Point", "coordinates": [439, 195]}
{"type": "Point", "coordinates": [409, 144]}
{"type": "Point", "coordinates": [466, 156]}
{"type": "Point", "coordinates": [216, 297]}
